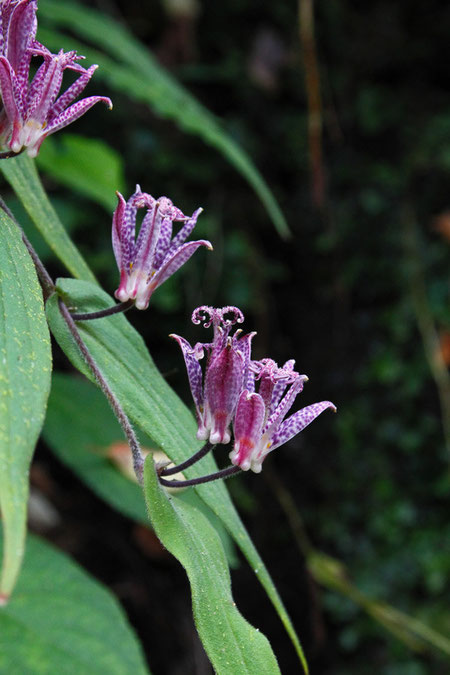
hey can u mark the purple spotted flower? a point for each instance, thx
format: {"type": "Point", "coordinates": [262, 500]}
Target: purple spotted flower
{"type": "Point", "coordinates": [147, 260]}
{"type": "Point", "coordinates": [260, 425]}
{"type": "Point", "coordinates": [32, 110]}
{"type": "Point", "coordinates": [216, 392]}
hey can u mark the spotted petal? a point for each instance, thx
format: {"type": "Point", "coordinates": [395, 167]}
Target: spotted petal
{"type": "Point", "coordinates": [284, 406]}
{"type": "Point", "coordinates": [194, 371]}
{"type": "Point", "coordinates": [117, 231]}
{"type": "Point", "coordinates": [72, 92]}
{"type": "Point", "coordinates": [74, 112]}
{"type": "Point", "coordinates": [7, 88]}
{"type": "Point", "coordinates": [173, 263]}
{"type": "Point", "coordinates": [298, 421]}
{"type": "Point", "coordinates": [223, 383]}
{"type": "Point", "coordinates": [248, 422]}
{"type": "Point", "coordinates": [185, 231]}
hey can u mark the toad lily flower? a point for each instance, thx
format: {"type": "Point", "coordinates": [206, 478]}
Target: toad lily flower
{"type": "Point", "coordinates": [34, 110]}
{"type": "Point", "coordinates": [226, 371]}
{"type": "Point", "coordinates": [149, 259]}
{"type": "Point", "coordinates": [259, 424]}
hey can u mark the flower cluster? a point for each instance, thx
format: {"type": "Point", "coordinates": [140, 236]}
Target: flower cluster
{"type": "Point", "coordinates": [32, 110]}
{"type": "Point", "coordinates": [233, 394]}
{"type": "Point", "coordinates": [225, 395]}
{"type": "Point", "coordinates": [147, 260]}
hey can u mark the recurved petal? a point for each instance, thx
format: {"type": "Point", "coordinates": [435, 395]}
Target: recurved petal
{"type": "Point", "coordinates": [185, 231]}
{"type": "Point", "coordinates": [194, 371]}
{"type": "Point", "coordinates": [71, 93]}
{"type": "Point", "coordinates": [298, 421]}
{"type": "Point", "coordinates": [75, 111]}
{"type": "Point", "coordinates": [173, 262]}
{"type": "Point", "coordinates": [284, 406]}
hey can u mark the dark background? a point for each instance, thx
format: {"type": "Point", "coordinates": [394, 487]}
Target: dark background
{"type": "Point", "coordinates": [358, 296]}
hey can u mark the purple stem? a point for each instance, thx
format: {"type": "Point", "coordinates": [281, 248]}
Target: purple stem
{"type": "Point", "coordinates": [224, 473]}
{"type": "Point", "coordinates": [138, 460]}
{"type": "Point", "coordinates": [192, 460]}
{"type": "Point", "coordinates": [109, 311]}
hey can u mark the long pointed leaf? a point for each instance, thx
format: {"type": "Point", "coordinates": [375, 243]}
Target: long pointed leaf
{"type": "Point", "coordinates": [232, 644]}
{"type": "Point", "coordinates": [122, 356]}
{"type": "Point", "coordinates": [144, 79]}
{"type": "Point", "coordinates": [21, 174]}
{"type": "Point", "coordinates": [25, 368]}
{"type": "Point", "coordinates": [61, 621]}
{"type": "Point", "coordinates": [80, 428]}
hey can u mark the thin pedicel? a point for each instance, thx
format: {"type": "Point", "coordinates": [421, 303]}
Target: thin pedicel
{"type": "Point", "coordinates": [109, 311]}
{"type": "Point", "coordinates": [224, 473]}
{"type": "Point", "coordinates": [188, 462]}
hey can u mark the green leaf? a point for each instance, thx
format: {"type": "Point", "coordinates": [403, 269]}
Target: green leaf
{"type": "Point", "coordinates": [146, 397]}
{"type": "Point", "coordinates": [21, 174]}
{"type": "Point", "coordinates": [25, 368]}
{"type": "Point", "coordinates": [85, 164]}
{"type": "Point", "coordinates": [80, 427]}
{"type": "Point", "coordinates": [232, 644]}
{"type": "Point", "coordinates": [62, 621]}
{"type": "Point", "coordinates": [137, 73]}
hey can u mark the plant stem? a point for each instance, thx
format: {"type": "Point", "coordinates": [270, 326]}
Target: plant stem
{"type": "Point", "coordinates": [189, 462]}
{"type": "Point", "coordinates": [9, 154]}
{"type": "Point", "coordinates": [224, 473]}
{"type": "Point", "coordinates": [138, 459]}
{"type": "Point", "coordinates": [109, 311]}
{"type": "Point", "coordinates": [48, 288]}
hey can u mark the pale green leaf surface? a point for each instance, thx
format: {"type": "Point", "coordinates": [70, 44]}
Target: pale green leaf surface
{"type": "Point", "coordinates": [122, 356]}
{"type": "Point", "coordinates": [25, 369]}
{"type": "Point", "coordinates": [87, 165]}
{"type": "Point", "coordinates": [232, 644]}
{"type": "Point", "coordinates": [144, 79]}
{"type": "Point", "coordinates": [80, 427]}
{"type": "Point", "coordinates": [62, 621]}
{"type": "Point", "coordinates": [21, 174]}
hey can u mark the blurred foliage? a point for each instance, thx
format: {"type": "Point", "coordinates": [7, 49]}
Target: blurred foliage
{"type": "Point", "coordinates": [372, 484]}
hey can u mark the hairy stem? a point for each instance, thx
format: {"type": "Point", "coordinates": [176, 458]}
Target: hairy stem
{"type": "Point", "coordinates": [109, 311]}
{"type": "Point", "coordinates": [224, 473]}
{"type": "Point", "coordinates": [138, 459]}
{"type": "Point", "coordinates": [189, 462]}
{"type": "Point", "coordinates": [48, 287]}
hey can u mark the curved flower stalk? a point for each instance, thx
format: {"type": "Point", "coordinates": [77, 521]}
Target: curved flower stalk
{"type": "Point", "coordinates": [260, 425]}
{"type": "Point", "coordinates": [226, 372]}
{"type": "Point", "coordinates": [148, 260]}
{"type": "Point", "coordinates": [34, 110]}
